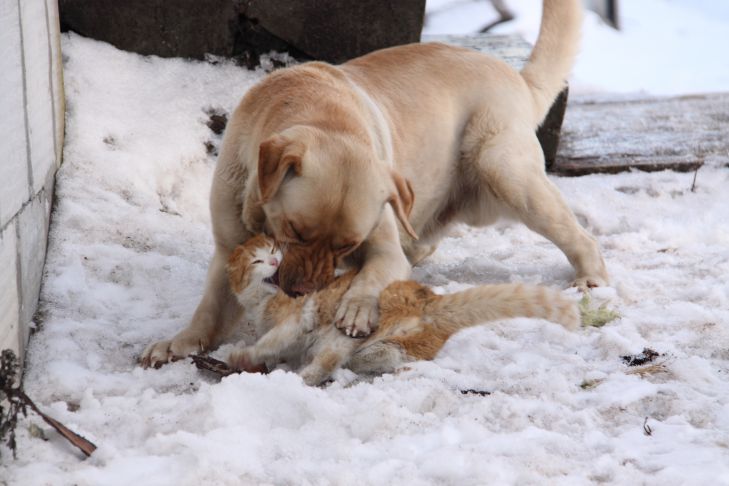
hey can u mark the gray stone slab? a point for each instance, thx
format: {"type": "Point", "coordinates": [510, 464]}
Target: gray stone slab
{"type": "Point", "coordinates": [59, 99]}
{"type": "Point", "coordinates": [167, 28]}
{"type": "Point", "coordinates": [329, 30]}
{"type": "Point", "coordinates": [13, 151]}
{"type": "Point", "coordinates": [33, 236]}
{"type": "Point", "coordinates": [336, 30]}
{"type": "Point", "coordinates": [679, 133]}
{"type": "Point", "coordinates": [9, 299]}
{"type": "Point", "coordinates": [39, 103]}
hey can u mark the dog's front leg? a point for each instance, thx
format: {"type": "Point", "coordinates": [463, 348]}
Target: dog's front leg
{"type": "Point", "coordinates": [384, 262]}
{"type": "Point", "coordinates": [218, 306]}
{"type": "Point", "coordinates": [219, 310]}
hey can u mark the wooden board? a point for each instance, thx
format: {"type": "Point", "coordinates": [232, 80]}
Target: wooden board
{"type": "Point", "coordinates": [512, 49]}
{"type": "Point", "coordinates": [680, 133]}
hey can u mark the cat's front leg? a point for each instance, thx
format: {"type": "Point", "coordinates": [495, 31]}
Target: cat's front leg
{"type": "Point", "coordinates": [330, 353]}
{"type": "Point", "coordinates": [282, 337]}
{"type": "Point", "coordinates": [321, 367]}
{"type": "Point", "coordinates": [244, 358]}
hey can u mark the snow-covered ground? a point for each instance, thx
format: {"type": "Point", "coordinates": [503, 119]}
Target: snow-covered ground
{"type": "Point", "coordinates": [127, 257]}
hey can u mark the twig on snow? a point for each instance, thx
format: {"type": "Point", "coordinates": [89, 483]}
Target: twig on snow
{"type": "Point", "coordinates": [18, 402]}
{"type": "Point", "coordinates": [221, 368]}
{"type": "Point", "coordinates": [86, 446]}
{"type": "Point", "coordinates": [471, 391]}
{"type": "Point", "coordinates": [693, 184]}
{"type": "Point", "coordinates": [647, 428]}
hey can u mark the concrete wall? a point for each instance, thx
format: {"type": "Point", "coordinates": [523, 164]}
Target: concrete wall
{"type": "Point", "coordinates": [31, 140]}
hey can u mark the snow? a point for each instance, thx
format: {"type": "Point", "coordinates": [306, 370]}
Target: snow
{"type": "Point", "coordinates": [128, 251]}
{"type": "Point", "coordinates": [664, 47]}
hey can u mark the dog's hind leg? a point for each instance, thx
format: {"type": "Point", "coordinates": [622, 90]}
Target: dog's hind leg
{"type": "Point", "coordinates": [417, 252]}
{"type": "Point", "coordinates": [511, 165]}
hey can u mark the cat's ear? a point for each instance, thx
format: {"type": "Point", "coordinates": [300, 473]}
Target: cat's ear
{"type": "Point", "coordinates": [402, 200]}
{"type": "Point", "coordinates": [277, 156]}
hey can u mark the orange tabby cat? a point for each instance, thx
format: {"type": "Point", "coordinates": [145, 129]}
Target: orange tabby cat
{"type": "Point", "coordinates": [414, 321]}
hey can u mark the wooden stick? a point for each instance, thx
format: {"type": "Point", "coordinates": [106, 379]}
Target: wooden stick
{"type": "Point", "coordinates": [86, 446]}
{"type": "Point", "coordinates": [213, 365]}
{"type": "Point", "coordinates": [221, 367]}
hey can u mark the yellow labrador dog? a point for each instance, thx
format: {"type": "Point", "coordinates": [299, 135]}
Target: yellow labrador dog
{"type": "Point", "coordinates": [330, 159]}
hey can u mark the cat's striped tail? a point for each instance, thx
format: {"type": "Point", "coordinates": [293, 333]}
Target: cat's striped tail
{"type": "Point", "coordinates": [490, 302]}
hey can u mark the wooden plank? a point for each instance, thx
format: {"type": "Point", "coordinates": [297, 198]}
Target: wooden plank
{"type": "Point", "coordinates": [512, 49]}
{"type": "Point", "coordinates": [679, 133]}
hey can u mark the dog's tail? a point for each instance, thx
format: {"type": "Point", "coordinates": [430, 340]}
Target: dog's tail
{"type": "Point", "coordinates": [490, 302]}
{"type": "Point", "coordinates": [554, 53]}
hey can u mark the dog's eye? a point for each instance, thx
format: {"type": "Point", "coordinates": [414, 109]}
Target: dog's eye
{"type": "Point", "coordinates": [254, 262]}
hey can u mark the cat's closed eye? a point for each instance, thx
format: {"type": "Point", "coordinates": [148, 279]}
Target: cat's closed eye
{"type": "Point", "coordinates": [254, 262]}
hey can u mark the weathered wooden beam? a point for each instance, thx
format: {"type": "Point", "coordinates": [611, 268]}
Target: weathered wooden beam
{"type": "Point", "coordinates": [650, 134]}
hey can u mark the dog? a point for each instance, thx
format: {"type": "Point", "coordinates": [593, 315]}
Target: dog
{"type": "Point", "coordinates": [370, 162]}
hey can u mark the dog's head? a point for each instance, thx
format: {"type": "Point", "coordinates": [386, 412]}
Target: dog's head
{"type": "Point", "coordinates": [322, 194]}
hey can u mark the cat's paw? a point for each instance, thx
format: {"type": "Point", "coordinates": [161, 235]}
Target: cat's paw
{"type": "Point", "coordinates": [179, 347]}
{"type": "Point", "coordinates": [357, 314]}
{"type": "Point", "coordinates": [313, 375]}
{"type": "Point", "coordinates": [243, 359]}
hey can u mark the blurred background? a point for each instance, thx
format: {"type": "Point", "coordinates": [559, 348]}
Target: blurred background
{"type": "Point", "coordinates": [661, 47]}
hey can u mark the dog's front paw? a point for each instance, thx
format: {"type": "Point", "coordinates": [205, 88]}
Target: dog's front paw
{"type": "Point", "coordinates": [584, 284]}
{"type": "Point", "coordinates": [181, 346]}
{"type": "Point", "coordinates": [357, 314]}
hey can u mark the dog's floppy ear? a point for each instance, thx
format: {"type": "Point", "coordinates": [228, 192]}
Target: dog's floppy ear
{"type": "Point", "coordinates": [276, 156]}
{"type": "Point", "coordinates": [402, 201]}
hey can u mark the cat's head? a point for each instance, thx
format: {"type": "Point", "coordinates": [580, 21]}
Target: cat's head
{"type": "Point", "coordinates": [254, 264]}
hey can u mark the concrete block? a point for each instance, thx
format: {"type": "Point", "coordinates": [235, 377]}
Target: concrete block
{"type": "Point", "coordinates": [33, 235]}
{"type": "Point", "coordinates": [59, 100]}
{"type": "Point", "coordinates": [336, 31]}
{"type": "Point", "coordinates": [9, 301]}
{"type": "Point", "coordinates": [13, 151]}
{"type": "Point", "coordinates": [184, 28]}
{"type": "Point", "coordinates": [39, 103]}
{"type": "Point", "coordinates": [330, 30]}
